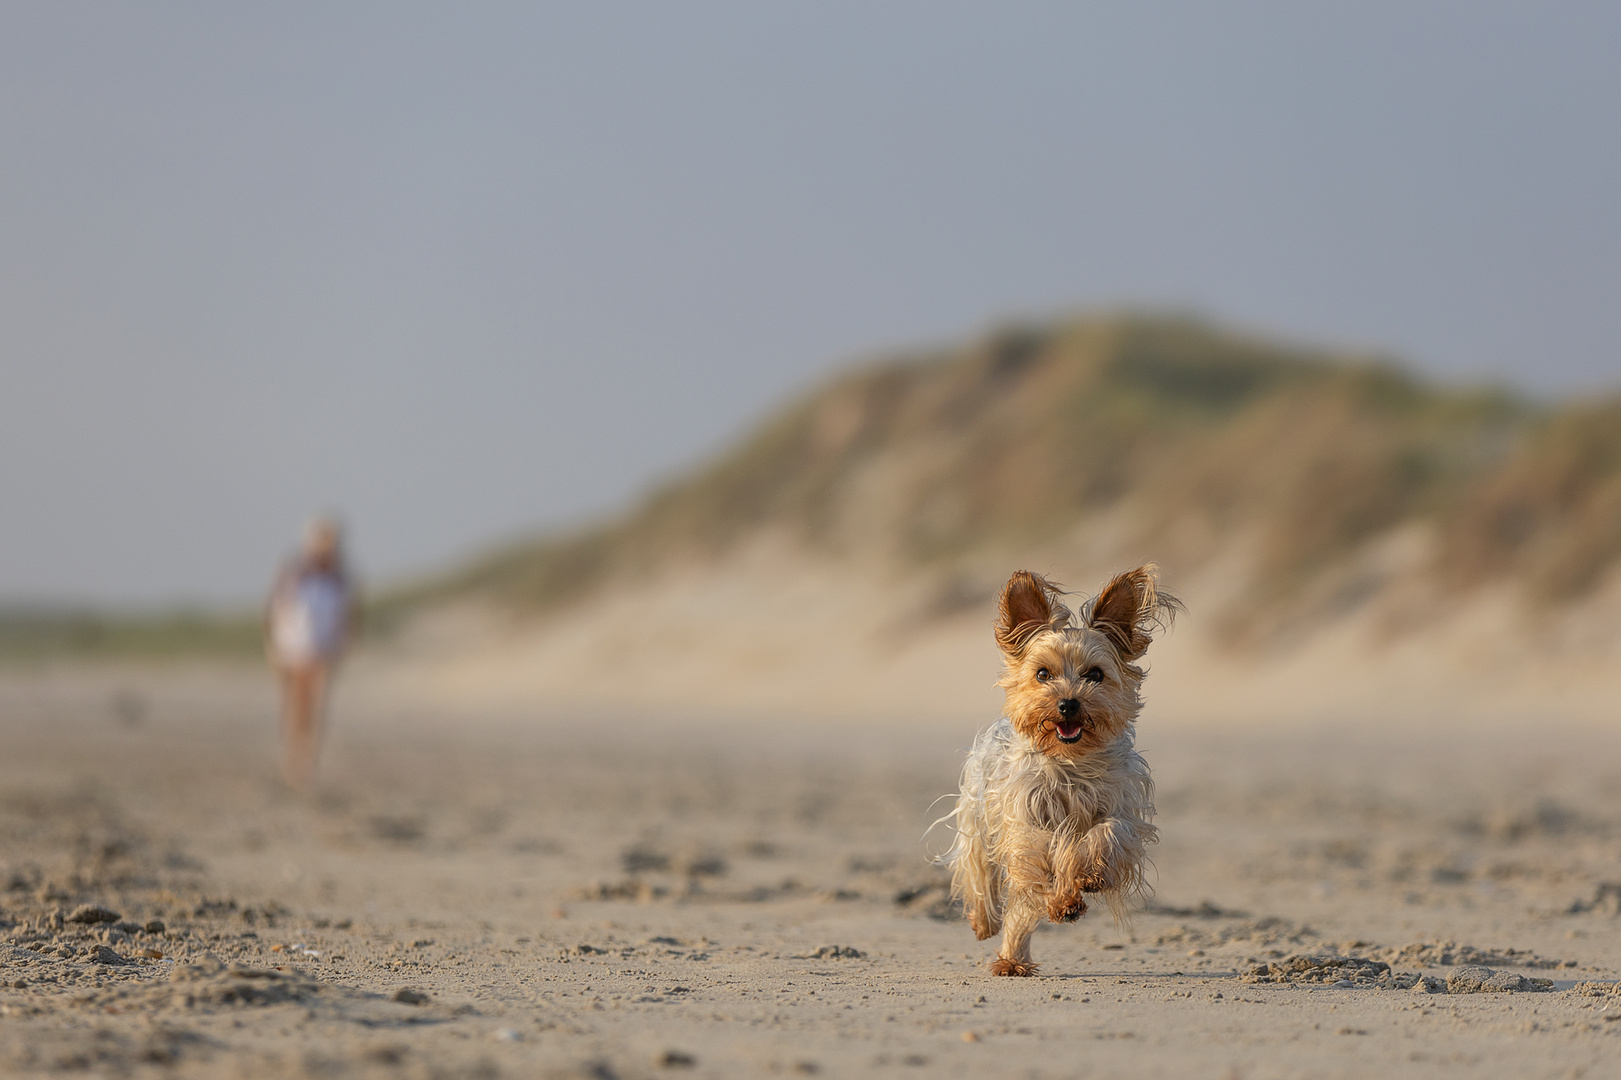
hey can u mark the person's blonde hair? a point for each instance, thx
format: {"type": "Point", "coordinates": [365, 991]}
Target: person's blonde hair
{"type": "Point", "coordinates": [322, 533]}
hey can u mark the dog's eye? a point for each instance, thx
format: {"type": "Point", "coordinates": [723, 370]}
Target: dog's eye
{"type": "Point", "coordinates": [1042, 675]}
{"type": "Point", "coordinates": [1095, 675]}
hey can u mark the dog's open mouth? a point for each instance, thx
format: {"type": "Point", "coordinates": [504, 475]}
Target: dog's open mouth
{"type": "Point", "coordinates": [1070, 730]}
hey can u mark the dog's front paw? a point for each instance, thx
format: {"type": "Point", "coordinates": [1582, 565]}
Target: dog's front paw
{"type": "Point", "coordinates": [1096, 882]}
{"type": "Point", "coordinates": [1066, 906]}
{"type": "Point", "coordinates": [984, 924]}
{"type": "Point", "coordinates": [1022, 968]}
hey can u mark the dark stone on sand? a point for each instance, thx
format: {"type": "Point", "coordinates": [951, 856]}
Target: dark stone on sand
{"type": "Point", "coordinates": [101, 954]}
{"type": "Point", "coordinates": [704, 864]}
{"type": "Point", "coordinates": [676, 1059]}
{"type": "Point", "coordinates": [407, 996]}
{"type": "Point", "coordinates": [90, 914]}
{"type": "Point", "coordinates": [401, 830]}
{"type": "Point", "coordinates": [838, 952]}
{"type": "Point", "coordinates": [1606, 898]}
{"type": "Point", "coordinates": [587, 1070]}
{"type": "Point", "coordinates": [641, 858]}
{"type": "Point", "coordinates": [155, 927]}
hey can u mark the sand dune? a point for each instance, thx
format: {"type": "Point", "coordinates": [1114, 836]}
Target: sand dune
{"type": "Point", "coordinates": [1351, 540]}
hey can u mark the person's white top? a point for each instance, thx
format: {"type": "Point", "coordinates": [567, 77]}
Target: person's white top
{"type": "Point", "coordinates": [308, 617]}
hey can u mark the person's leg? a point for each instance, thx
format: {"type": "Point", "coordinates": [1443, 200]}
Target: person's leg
{"type": "Point", "coordinates": [287, 683]}
{"type": "Point", "coordinates": [299, 681]}
{"type": "Point", "coordinates": [320, 679]}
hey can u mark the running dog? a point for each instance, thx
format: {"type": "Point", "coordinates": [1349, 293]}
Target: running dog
{"type": "Point", "coordinates": [1055, 801]}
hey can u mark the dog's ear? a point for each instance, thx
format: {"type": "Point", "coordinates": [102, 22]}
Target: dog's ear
{"type": "Point", "coordinates": [1028, 606]}
{"type": "Point", "coordinates": [1130, 608]}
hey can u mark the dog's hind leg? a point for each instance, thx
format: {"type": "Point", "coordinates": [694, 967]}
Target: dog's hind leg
{"type": "Point", "coordinates": [984, 920]}
{"type": "Point", "coordinates": [978, 883]}
{"type": "Point", "coordinates": [976, 880]}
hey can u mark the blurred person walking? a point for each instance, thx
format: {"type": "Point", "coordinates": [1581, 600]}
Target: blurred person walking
{"type": "Point", "coordinates": [310, 621]}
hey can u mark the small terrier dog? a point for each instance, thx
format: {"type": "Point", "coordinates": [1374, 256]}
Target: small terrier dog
{"type": "Point", "coordinates": [1055, 800]}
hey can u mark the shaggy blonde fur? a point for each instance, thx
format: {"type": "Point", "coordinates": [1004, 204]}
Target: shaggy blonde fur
{"type": "Point", "coordinates": [1055, 800]}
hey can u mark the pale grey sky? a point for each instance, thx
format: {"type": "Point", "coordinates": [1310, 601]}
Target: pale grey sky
{"type": "Point", "coordinates": [463, 271]}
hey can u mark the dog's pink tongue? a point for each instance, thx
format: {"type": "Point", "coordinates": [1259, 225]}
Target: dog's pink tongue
{"type": "Point", "coordinates": [1069, 728]}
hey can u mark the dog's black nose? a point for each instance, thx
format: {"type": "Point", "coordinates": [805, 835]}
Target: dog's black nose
{"type": "Point", "coordinates": [1068, 707]}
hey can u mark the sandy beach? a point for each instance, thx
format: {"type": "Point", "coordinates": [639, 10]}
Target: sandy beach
{"type": "Point", "coordinates": [645, 897]}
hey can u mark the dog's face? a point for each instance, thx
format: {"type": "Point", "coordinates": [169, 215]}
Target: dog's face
{"type": "Point", "coordinates": [1072, 689]}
